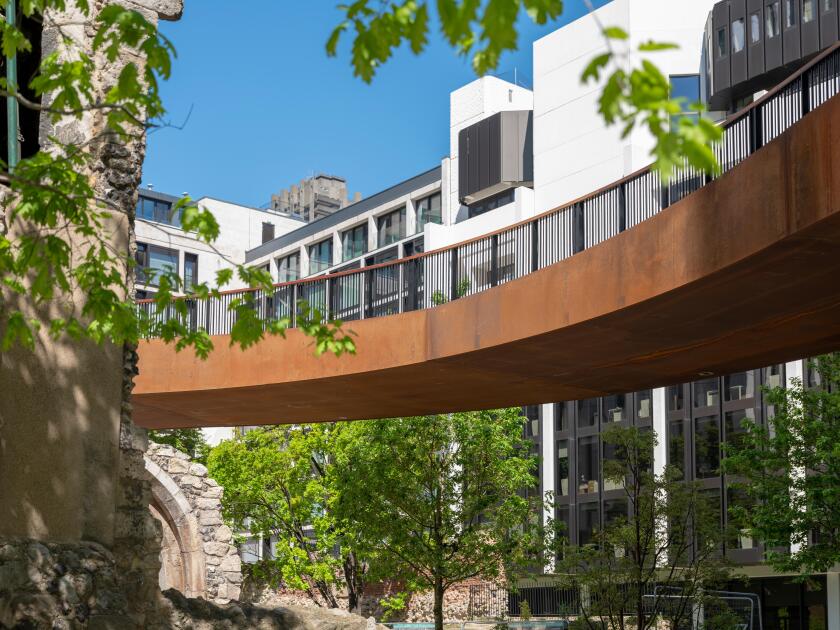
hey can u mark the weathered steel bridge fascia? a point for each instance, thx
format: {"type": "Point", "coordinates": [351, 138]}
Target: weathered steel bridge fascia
{"type": "Point", "coordinates": [742, 273]}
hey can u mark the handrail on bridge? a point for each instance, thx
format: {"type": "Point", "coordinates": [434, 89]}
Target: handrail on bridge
{"type": "Point", "coordinates": [429, 279]}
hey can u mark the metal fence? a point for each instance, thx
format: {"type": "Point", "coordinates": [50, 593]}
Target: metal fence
{"type": "Point", "coordinates": [434, 278]}
{"type": "Point", "coordinates": [716, 609]}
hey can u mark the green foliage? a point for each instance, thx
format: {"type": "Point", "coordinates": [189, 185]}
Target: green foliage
{"type": "Point", "coordinates": [438, 499]}
{"type": "Point", "coordinates": [274, 485]}
{"type": "Point", "coordinates": [633, 94]}
{"type": "Point", "coordinates": [631, 554]}
{"type": "Point", "coordinates": [393, 605]}
{"type": "Point", "coordinates": [791, 472]}
{"type": "Point", "coordinates": [525, 610]}
{"type": "Point", "coordinates": [189, 441]}
{"type": "Point", "coordinates": [482, 29]}
{"type": "Point", "coordinates": [461, 289]}
{"type": "Point", "coordinates": [59, 240]}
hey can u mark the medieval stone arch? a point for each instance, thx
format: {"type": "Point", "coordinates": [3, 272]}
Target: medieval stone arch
{"type": "Point", "coordinates": [198, 557]}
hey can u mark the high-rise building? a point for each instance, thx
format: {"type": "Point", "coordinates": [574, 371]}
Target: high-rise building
{"type": "Point", "coordinates": [313, 198]}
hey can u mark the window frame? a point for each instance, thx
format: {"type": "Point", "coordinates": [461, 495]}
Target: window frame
{"type": "Point", "coordinates": [352, 231]}
{"type": "Point", "coordinates": [143, 267]}
{"type": "Point", "coordinates": [279, 262]}
{"type": "Point", "coordinates": [772, 11]}
{"type": "Point", "coordinates": [321, 265]}
{"type": "Point", "coordinates": [402, 229]}
{"type": "Point", "coordinates": [190, 257]}
{"type": "Point", "coordinates": [418, 210]}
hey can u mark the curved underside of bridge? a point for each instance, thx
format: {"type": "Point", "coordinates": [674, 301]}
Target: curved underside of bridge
{"type": "Point", "coordinates": [743, 273]}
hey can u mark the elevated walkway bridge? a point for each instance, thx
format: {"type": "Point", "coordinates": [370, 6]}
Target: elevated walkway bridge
{"type": "Point", "coordinates": [638, 285]}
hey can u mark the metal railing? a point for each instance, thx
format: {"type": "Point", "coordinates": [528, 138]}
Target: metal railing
{"type": "Point", "coordinates": [433, 278]}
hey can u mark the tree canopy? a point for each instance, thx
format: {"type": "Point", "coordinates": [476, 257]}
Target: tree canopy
{"type": "Point", "coordinates": [790, 470]}
{"type": "Point", "coordinates": [440, 499]}
{"type": "Point", "coordinates": [659, 552]}
{"type": "Point", "coordinates": [427, 501]}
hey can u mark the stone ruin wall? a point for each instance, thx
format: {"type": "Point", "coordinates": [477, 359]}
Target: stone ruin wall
{"type": "Point", "coordinates": [199, 558]}
{"type": "Point", "coordinates": [420, 608]}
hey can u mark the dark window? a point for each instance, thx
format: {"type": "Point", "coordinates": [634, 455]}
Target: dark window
{"type": "Point", "coordinates": [712, 500]}
{"type": "Point", "coordinates": [288, 268]}
{"type": "Point", "coordinates": [771, 20]}
{"type": "Point", "coordinates": [676, 446]}
{"type": "Point", "coordinates": [808, 10]}
{"type": "Point", "coordinates": [563, 518]}
{"type": "Point", "coordinates": [587, 522]}
{"type": "Point", "coordinates": [755, 28]}
{"type": "Point", "coordinates": [828, 5]}
{"type": "Point", "coordinates": [615, 408]}
{"type": "Point", "coordinates": [675, 398]}
{"type": "Point", "coordinates": [721, 43]}
{"type": "Point", "coordinates": [141, 257]}
{"type": "Point", "coordinates": [158, 211]}
{"type": "Point", "coordinates": [413, 247]}
{"type": "Point", "coordinates": [391, 227]}
{"type": "Point", "coordinates": [190, 271]}
{"type": "Point", "coordinates": [561, 417]}
{"type": "Point", "coordinates": [644, 406]}
{"type": "Point", "coordinates": [615, 510]}
{"type": "Point", "coordinates": [612, 453]}
{"type": "Point", "coordinates": [706, 447]}
{"type": "Point", "coordinates": [735, 430]}
{"type": "Point", "coordinates": [687, 89]}
{"type": "Point", "coordinates": [739, 535]}
{"type": "Point", "coordinates": [790, 14]}
{"type": "Point", "coordinates": [532, 423]}
{"type": "Point", "coordinates": [773, 376]}
{"type": "Point", "coordinates": [706, 393]}
{"type": "Point", "coordinates": [497, 201]}
{"type": "Point", "coordinates": [738, 35]}
{"type": "Point", "coordinates": [267, 232]}
{"type": "Point", "coordinates": [354, 241]}
{"type": "Point", "coordinates": [588, 412]}
{"type": "Point", "coordinates": [153, 262]}
{"type": "Point", "coordinates": [563, 468]}
{"type": "Point", "coordinates": [428, 211]}
{"type": "Point", "coordinates": [588, 465]}
{"type": "Point", "coordinates": [320, 256]}
{"type": "Point", "coordinates": [739, 386]}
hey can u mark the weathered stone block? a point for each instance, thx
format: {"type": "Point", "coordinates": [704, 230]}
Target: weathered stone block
{"type": "Point", "coordinates": [190, 480]}
{"type": "Point", "coordinates": [178, 467]}
{"type": "Point", "coordinates": [216, 548]}
{"type": "Point", "coordinates": [199, 470]}
{"type": "Point", "coordinates": [232, 564]}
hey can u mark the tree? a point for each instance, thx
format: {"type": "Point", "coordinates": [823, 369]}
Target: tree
{"type": "Point", "coordinates": [275, 487]}
{"type": "Point", "coordinates": [634, 93]}
{"type": "Point", "coordinates": [791, 472]}
{"type": "Point", "coordinates": [57, 229]}
{"type": "Point", "coordinates": [439, 499]}
{"type": "Point", "coordinates": [189, 441]}
{"type": "Point", "coordinates": [659, 552]}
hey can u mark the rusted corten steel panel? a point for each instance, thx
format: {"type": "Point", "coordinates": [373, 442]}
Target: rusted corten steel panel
{"type": "Point", "coordinates": [741, 274]}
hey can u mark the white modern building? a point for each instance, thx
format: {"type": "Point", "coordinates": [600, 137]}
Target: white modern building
{"type": "Point", "coordinates": [163, 245]}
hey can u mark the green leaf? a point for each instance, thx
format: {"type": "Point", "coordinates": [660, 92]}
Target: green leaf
{"type": "Point", "coordinates": [615, 32]}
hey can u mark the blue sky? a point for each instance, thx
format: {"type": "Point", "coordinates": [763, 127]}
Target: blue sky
{"type": "Point", "coordinates": [264, 107]}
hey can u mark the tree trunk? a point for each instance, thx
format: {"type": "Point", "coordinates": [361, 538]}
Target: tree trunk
{"type": "Point", "coordinates": [354, 578]}
{"type": "Point", "coordinates": [438, 603]}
